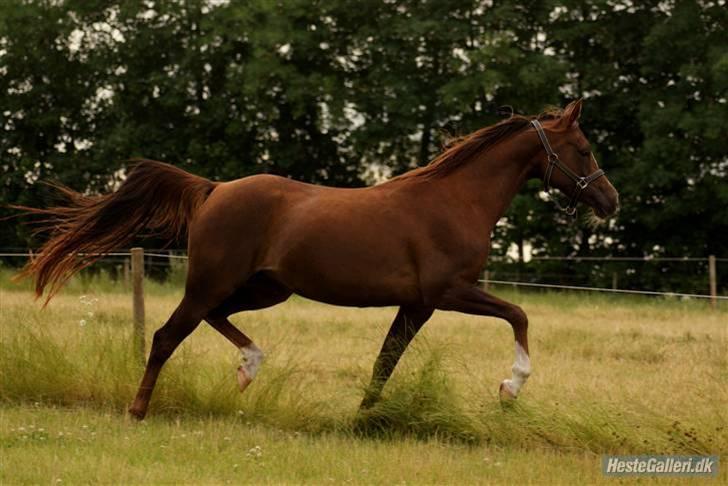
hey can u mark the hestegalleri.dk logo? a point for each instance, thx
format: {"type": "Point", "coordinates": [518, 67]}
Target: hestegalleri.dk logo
{"type": "Point", "coordinates": [660, 465]}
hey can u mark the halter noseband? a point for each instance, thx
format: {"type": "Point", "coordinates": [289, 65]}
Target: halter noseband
{"type": "Point", "coordinates": [554, 161]}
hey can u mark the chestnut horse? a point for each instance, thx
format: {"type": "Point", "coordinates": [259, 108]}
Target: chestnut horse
{"type": "Point", "coordinates": [418, 241]}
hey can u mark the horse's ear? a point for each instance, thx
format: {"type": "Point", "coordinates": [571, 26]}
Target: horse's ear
{"type": "Point", "coordinates": [572, 112]}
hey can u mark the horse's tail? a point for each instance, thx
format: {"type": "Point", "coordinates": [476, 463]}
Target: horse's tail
{"type": "Point", "coordinates": [157, 198]}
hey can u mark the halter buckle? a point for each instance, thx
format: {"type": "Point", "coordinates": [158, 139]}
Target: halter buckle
{"type": "Point", "coordinates": [571, 210]}
{"type": "Point", "coordinates": [582, 183]}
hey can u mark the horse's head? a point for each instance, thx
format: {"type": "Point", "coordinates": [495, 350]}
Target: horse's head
{"type": "Point", "coordinates": [568, 164]}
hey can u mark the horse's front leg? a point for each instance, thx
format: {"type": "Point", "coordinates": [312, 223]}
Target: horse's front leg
{"type": "Point", "coordinates": [472, 300]}
{"type": "Point", "coordinates": [404, 328]}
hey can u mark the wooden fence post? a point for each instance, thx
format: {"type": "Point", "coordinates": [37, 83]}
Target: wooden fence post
{"type": "Point", "coordinates": [137, 280]}
{"type": "Point", "coordinates": [486, 277]}
{"type": "Point", "coordinates": [614, 280]}
{"type": "Point", "coordinates": [713, 281]}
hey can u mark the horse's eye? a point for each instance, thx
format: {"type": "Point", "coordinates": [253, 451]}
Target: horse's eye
{"type": "Point", "coordinates": [584, 153]}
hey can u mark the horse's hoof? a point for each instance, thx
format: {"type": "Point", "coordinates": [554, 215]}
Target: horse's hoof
{"type": "Point", "coordinates": [135, 413]}
{"type": "Point", "coordinates": [367, 403]}
{"type": "Point", "coordinates": [243, 379]}
{"type": "Point", "coordinates": [505, 393]}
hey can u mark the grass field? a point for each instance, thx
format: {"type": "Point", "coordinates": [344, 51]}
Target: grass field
{"type": "Point", "coordinates": [628, 375]}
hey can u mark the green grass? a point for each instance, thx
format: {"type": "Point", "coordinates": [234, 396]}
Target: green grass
{"type": "Point", "coordinates": [611, 375]}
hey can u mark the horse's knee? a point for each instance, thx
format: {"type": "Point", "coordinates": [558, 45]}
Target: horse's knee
{"type": "Point", "coordinates": [517, 318]}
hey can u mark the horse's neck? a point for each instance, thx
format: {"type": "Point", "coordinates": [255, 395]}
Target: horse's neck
{"type": "Point", "coordinates": [489, 183]}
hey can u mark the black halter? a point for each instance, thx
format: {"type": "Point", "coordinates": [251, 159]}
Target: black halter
{"type": "Point", "coordinates": [554, 161]}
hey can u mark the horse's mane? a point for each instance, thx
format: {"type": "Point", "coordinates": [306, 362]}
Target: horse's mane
{"type": "Point", "coordinates": [459, 151]}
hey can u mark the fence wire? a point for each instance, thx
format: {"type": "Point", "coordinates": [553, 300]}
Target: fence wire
{"type": "Point", "coordinates": [514, 283]}
{"type": "Point", "coordinates": [602, 289]}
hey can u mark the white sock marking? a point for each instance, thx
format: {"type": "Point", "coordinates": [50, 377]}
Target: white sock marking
{"type": "Point", "coordinates": [252, 358]}
{"type": "Point", "coordinates": [520, 371]}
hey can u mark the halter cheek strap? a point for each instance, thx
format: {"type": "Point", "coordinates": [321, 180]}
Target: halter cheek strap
{"type": "Point", "coordinates": [581, 182]}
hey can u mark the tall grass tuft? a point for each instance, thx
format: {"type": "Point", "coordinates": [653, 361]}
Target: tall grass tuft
{"type": "Point", "coordinates": [96, 367]}
{"type": "Point", "coordinates": [421, 402]}
{"type": "Point", "coordinates": [424, 403]}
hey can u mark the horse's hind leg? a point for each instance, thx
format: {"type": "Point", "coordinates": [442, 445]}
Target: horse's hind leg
{"type": "Point", "coordinates": [252, 354]}
{"type": "Point", "coordinates": [183, 321]}
{"type": "Point", "coordinates": [258, 293]}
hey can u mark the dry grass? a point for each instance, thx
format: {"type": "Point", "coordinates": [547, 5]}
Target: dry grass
{"type": "Point", "coordinates": [611, 375]}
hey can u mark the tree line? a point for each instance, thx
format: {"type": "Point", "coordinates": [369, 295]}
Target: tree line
{"type": "Point", "coordinates": [343, 92]}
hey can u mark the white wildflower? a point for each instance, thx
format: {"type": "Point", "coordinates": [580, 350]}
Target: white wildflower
{"type": "Point", "coordinates": [255, 451]}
